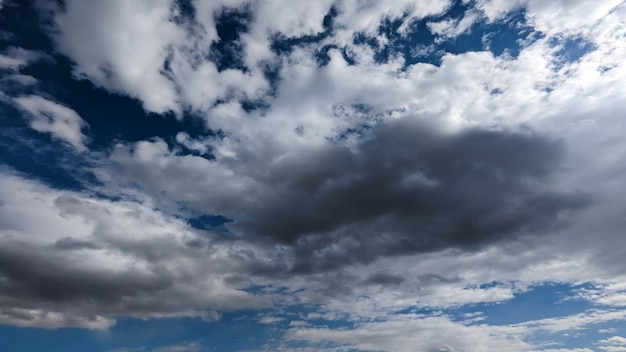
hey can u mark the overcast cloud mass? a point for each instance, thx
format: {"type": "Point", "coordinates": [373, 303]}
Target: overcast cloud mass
{"type": "Point", "coordinates": [334, 175]}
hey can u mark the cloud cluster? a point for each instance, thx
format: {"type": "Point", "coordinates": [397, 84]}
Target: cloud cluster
{"type": "Point", "coordinates": [361, 185]}
{"type": "Point", "coordinates": [423, 332]}
{"type": "Point", "coordinates": [405, 189]}
{"type": "Point", "coordinates": [71, 260]}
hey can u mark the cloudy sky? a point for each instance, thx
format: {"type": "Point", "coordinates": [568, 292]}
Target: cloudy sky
{"type": "Point", "coordinates": [332, 175]}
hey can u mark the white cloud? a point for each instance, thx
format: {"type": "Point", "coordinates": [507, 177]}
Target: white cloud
{"type": "Point", "coordinates": [607, 331]}
{"type": "Point", "coordinates": [50, 117]}
{"type": "Point", "coordinates": [39, 318]}
{"type": "Point", "coordinates": [566, 15]}
{"type": "Point", "coordinates": [365, 16]}
{"type": "Point", "coordinates": [198, 145]}
{"type": "Point", "coordinates": [414, 333]}
{"type": "Point", "coordinates": [12, 63]}
{"type": "Point", "coordinates": [15, 58]}
{"type": "Point", "coordinates": [610, 294]}
{"type": "Point", "coordinates": [551, 17]}
{"type": "Point", "coordinates": [24, 80]}
{"type": "Point", "coordinates": [454, 28]}
{"type": "Point", "coordinates": [615, 340]}
{"type": "Point", "coordinates": [124, 49]}
{"type": "Point", "coordinates": [410, 332]}
{"type": "Point", "coordinates": [612, 348]}
{"type": "Point", "coordinates": [613, 344]}
{"type": "Point", "coordinates": [135, 41]}
{"type": "Point", "coordinates": [574, 322]}
{"type": "Point", "coordinates": [270, 320]}
{"type": "Point", "coordinates": [496, 9]}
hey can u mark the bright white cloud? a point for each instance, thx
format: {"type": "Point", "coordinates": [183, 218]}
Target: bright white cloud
{"type": "Point", "coordinates": [607, 331]}
{"type": "Point", "coordinates": [613, 344]}
{"type": "Point", "coordinates": [50, 117]}
{"type": "Point", "coordinates": [124, 49]}
{"type": "Point", "coordinates": [551, 17]}
{"type": "Point", "coordinates": [615, 340]}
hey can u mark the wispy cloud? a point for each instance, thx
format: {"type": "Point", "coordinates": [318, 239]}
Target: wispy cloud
{"type": "Point", "coordinates": [50, 117]}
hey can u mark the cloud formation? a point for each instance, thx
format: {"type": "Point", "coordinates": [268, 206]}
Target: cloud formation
{"type": "Point", "coordinates": [406, 188]}
{"type": "Point", "coordinates": [68, 260]}
{"type": "Point", "coordinates": [49, 117]}
{"type": "Point", "coordinates": [382, 164]}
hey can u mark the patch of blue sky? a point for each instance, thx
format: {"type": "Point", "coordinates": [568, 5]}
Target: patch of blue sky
{"type": "Point", "coordinates": [611, 328]}
{"type": "Point", "coordinates": [24, 28]}
{"type": "Point", "coordinates": [227, 51]}
{"type": "Point", "coordinates": [111, 117]}
{"type": "Point", "coordinates": [26, 151]}
{"type": "Point", "coordinates": [543, 301]}
{"type": "Point", "coordinates": [509, 36]}
{"type": "Point", "coordinates": [283, 316]}
{"type": "Point", "coordinates": [233, 332]}
{"type": "Point", "coordinates": [16, 339]}
{"type": "Point", "coordinates": [426, 311]}
{"type": "Point", "coordinates": [215, 223]}
{"type": "Point", "coordinates": [585, 337]}
{"type": "Point", "coordinates": [420, 45]}
{"type": "Point", "coordinates": [570, 49]}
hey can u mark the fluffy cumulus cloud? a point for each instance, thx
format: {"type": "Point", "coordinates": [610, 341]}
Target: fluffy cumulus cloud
{"type": "Point", "coordinates": [128, 64]}
{"type": "Point", "coordinates": [362, 171]}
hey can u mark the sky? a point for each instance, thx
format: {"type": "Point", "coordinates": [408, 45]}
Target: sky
{"type": "Point", "coordinates": [332, 175]}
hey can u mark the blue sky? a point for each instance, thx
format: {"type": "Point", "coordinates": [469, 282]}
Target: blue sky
{"type": "Point", "coordinates": [337, 175]}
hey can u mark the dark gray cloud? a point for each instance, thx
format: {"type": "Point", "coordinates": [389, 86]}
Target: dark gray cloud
{"type": "Point", "coordinates": [102, 270]}
{"type": "Point", "coordinates": [384, 278]}
{"type": "Point", "coordinates": [69, 243]}
{"type": "Point", "coordinates": [35, 280]}
{"type": "Point", "coordinates": [37, 274]}
{"type": "Point", "coordinates": [406, 189]}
